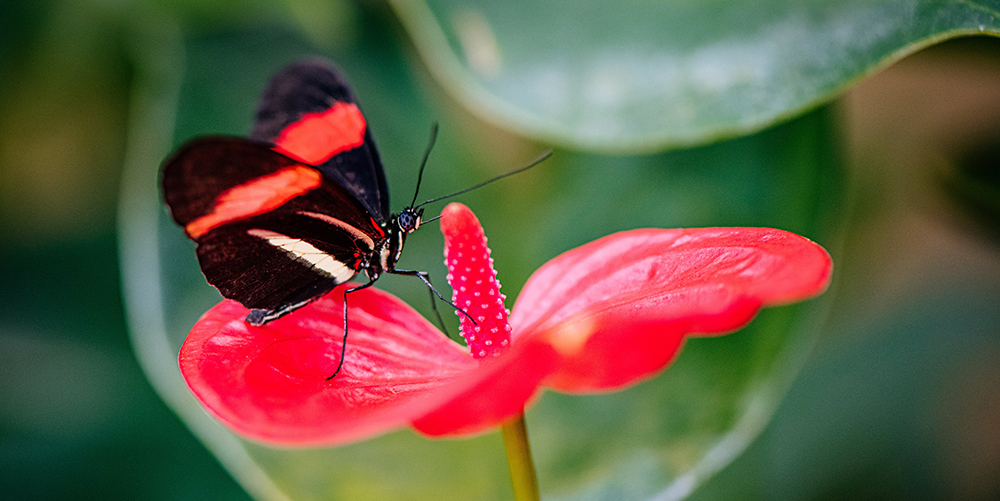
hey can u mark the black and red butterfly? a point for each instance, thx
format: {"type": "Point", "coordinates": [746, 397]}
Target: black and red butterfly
{"type": "Point", "coordinates": [300, 207]}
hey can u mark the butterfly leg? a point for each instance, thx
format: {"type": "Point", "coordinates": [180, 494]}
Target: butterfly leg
{"type": "Point", "coordinates": [430, 289]}
{"type": "Point", "coordinates": [343, 345]}
{"type": "Point", "coordinates": [426, 278]}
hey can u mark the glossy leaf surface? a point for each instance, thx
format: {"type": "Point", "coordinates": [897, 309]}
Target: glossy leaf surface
{"type": "Point", "coordinates": [644, 75]}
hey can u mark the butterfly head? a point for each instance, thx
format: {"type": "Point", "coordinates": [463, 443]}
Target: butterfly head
{"type": "Point", "coordinates": [409, 220]}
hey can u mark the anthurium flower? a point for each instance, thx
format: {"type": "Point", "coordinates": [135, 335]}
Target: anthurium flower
{"type": "Point", "coordinates": [598, 318]}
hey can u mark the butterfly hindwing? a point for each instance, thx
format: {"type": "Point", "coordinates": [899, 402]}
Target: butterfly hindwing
{"type": "Point", "coordinates": [267, 269]}
{"type": "Point", "coordinates": [309, 113]}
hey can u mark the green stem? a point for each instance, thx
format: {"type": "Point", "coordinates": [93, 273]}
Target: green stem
{"type": "Point", "coordinates": [522, 467]}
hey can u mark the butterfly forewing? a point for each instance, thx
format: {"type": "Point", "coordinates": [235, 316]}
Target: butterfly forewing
{"type": "Point", "coordinates": [310, 113]}
{"type": "Point", "coordinates": [228, 178]}
{"type": "Point", "coordinates": [271, 232]}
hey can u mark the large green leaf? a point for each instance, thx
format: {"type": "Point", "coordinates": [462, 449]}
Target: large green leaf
{"type": "Point", "coordinates": [662, 437]}
{"type": "Point", "coordinates": [641, 75]}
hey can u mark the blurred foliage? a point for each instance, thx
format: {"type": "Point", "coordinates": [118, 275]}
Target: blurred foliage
{"type": "Point", "coordinates": [77, 418]}
{"type": "Point", "coordinates": [897, 400]}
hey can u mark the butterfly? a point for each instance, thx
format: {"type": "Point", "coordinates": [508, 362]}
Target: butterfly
{"type": "Point", "coordinates": [298, 208]}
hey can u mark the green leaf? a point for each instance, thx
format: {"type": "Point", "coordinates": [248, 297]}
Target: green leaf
{"type": "Point", "coordinates": [661, 437]}
{"type": "Point", "coordinates": [641, 76]}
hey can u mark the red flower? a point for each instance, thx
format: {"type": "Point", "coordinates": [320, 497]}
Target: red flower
{"type": "Point", "coordinates": [600, 317]}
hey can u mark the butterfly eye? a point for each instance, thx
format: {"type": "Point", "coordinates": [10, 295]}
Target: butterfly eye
{"type": "Point", "coordinates": [408, 220]}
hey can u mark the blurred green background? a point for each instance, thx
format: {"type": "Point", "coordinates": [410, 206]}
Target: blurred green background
{"type": "Point", "coordinates": [892, 378]}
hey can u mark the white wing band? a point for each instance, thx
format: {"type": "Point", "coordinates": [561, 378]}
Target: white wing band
{"type": "Point", "coordinates": [305, 252]}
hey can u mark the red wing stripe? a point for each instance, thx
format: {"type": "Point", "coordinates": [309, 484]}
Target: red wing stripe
{"type": "Point", "coordinates": [256, 197]}
{"type": "Point", "coordinates": [317, 137]}
{"type": "Point", "coordinates": [376, 226]}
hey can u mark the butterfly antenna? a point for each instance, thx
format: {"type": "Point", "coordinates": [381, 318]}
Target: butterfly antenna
{"type": "Point", "coordinates": [427, 154]}
{"type": "Point", "coordinates": [541, 158]}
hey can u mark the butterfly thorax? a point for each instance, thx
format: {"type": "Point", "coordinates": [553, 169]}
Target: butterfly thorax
{"type": "Point", "coordinates": [396, 230]}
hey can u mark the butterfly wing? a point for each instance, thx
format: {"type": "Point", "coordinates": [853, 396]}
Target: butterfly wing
{"type": "Point", "coordinates": [309, 113]}
{"type": "Point", "coordinates": [272, 232]}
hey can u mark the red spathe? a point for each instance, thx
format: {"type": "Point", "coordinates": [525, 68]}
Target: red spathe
{"type": "Point", "coordinates": [598, 318]}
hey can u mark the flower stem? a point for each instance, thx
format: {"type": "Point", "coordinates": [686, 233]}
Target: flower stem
{"type": "Point", "coordinates": [522, 467]}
